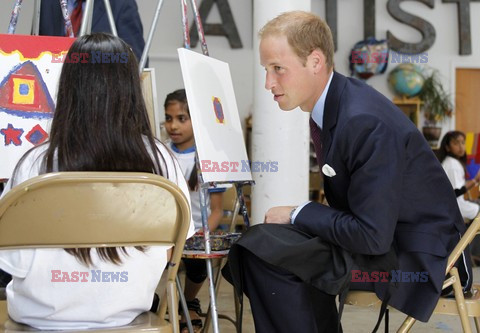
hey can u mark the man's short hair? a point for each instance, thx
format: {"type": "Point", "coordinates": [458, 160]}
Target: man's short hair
{"type": "Point", "coordinates": [305, 32]}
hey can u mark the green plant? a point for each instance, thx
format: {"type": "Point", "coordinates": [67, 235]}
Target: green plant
{"type": "Point", "coordinates": [436, 101]}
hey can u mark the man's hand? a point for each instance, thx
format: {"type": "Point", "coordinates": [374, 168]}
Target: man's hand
{"type": "Point", "coordinates": [279, 215]}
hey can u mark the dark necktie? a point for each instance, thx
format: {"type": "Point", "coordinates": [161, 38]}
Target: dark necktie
{"type": "Point", "coordinates": [316, 134]}
{"type": "Point", "coordinates": [76, 17]}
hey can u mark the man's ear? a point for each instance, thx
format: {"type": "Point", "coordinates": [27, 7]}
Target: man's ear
{"type": "Point", "coordinates": [317, 59]}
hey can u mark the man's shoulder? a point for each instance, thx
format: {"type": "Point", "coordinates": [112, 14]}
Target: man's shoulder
{"type": "Point", "coordinates": [350, 88]}
{"type": "Point", "coordinates": [356, 93]}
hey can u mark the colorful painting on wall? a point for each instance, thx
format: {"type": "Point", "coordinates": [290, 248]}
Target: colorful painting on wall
{"type": "Point", "coordinates": [472, 148]}
{"type": "Point", "coordinates": [29, 75]}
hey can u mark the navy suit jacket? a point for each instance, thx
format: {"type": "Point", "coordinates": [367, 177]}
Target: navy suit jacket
{"type": "Point", "coordinates": [389, 191]}
{"type": "Point", "coordinates": [125, 14]}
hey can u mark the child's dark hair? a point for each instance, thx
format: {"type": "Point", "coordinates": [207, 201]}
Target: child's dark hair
{"type": "Point", "coordinates": [180, 96]}
{"type": "Point", "coordinates": [443, 152]}
{"type": "Point", "coordinates": [100, 129]}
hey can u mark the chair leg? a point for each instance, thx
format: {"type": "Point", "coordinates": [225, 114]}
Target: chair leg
{"type": "Point", "coordinates": [477, 323]}
{"type": "Point", "coordinates": [462, 307]}
{"type": "Point", "coordinates": [406, 325]}
{"type": "Point", "coordinates": [239, 312]}
{"type": "Point", "coordinates": [183, 302]}
{"type": "Point", "coordinates": [172, 306]}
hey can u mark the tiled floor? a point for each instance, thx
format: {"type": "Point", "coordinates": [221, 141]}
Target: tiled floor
{"type": "Point", "coordinates": [355, 319]}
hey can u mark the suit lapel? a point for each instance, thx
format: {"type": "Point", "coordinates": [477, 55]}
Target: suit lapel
{"type": "Point", "coordinates": [330, 113]}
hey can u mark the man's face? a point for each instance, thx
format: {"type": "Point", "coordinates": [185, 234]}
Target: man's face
{"type": "Point", "coordinates": [291, 83]}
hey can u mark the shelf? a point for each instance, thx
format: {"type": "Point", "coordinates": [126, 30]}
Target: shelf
{"type": "Point", "coordinates": [411, 107]}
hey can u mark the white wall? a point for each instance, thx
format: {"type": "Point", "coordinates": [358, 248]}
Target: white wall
{"type": "Point", "coordinates": [168, 37]}
{"type": "Point", "coordinates": [443, 55]}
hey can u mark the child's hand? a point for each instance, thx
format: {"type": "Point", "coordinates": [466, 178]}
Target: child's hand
{"type": "Point", "coordinates": [476, 179]}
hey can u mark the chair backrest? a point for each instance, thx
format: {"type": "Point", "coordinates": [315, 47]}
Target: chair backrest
{"type": "Point", "coordinates": [93, 209]}
{"type": "Point", "coordinates": [229, 199]}
{"type": "Point", "coordinates": [231, 208]}
{"type": "Point", "coordinates": [462, 244]}
{"type": "Point", "coordinates": [98, 209]}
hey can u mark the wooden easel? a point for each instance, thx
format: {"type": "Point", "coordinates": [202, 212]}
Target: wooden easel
{"type": "Point", "coordinates": [203, 185]}
{"type": "Point", "coordinates": [86, 29]}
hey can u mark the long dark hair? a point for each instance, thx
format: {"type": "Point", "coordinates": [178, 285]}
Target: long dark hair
{"type": "Point", "coordinates": [443, 152]}
{"type": "Point", "coordinates": [180, 96]}
{"type": "Point", "coordinates": [100, 121]}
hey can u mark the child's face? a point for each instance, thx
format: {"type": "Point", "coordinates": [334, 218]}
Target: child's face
{"type": "Point", "coordinates": [179, 125]}
{"type": "Point", "coordinates": [456, 146]}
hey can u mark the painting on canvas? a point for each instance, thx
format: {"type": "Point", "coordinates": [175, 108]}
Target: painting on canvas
{"type": "Point", "coordinates": [29, 75]}
{"type": "Point", "coordinates": [215, 120]}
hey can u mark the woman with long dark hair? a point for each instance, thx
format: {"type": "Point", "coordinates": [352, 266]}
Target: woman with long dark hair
{"type": "Point", "coordinates": [100, 124]}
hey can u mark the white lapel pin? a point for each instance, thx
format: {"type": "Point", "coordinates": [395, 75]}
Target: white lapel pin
{"type": "Point", "coordinates": [328, 170]}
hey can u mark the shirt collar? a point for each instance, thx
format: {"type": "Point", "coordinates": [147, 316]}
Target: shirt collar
{"type": "Point", "coordinates": [186, 151]}
{"type": "Point", "coordinates": [319, 108]}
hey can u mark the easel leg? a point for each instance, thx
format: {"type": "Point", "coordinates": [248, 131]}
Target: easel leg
{"type": "Point", "coordinates": [213, 298]}
{"type": "Point", "coordinates": [184, 305]}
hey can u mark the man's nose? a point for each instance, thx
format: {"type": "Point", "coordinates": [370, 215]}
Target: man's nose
{"type": "Point", "coordinates": [269, 81]}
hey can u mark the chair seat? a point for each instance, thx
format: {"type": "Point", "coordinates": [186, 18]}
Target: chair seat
{"type": "Point", "coordinates": [363, 298]}
{"type": "Point", "coordinates": [448, 305]}
{"type": "Point", "coordinates": [445, 305]}
{"type": "Point", "coordinates": [146, 322]}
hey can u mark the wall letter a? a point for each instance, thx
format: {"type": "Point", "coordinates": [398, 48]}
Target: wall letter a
{"type": "Point", "coordinates": [227, 28]}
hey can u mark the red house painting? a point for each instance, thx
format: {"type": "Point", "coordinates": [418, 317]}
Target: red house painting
{"type": "Point", "coordinates": [28, 80]}
{"type": "Point", "coordinates": [24, 93]}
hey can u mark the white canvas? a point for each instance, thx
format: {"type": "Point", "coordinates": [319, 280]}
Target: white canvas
{"type": "Point", "coordinates": [215, 120]}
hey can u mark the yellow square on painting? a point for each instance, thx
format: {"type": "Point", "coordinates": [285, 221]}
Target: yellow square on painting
{"type": "Point", "coordinates": [23, 91]}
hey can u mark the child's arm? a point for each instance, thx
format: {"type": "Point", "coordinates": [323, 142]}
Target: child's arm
{"type": "Point", "coordinates": [216, 208]}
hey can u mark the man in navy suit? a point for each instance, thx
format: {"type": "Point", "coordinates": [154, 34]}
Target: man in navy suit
{"type": "Point", "coordinates": [125, 14]}
{"type": "Point", "coordinates": [385, 189]}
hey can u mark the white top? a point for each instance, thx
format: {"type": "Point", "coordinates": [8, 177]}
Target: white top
{"type": "Point", "coordinates": [50, 289]}
{"type": "Point", "coordinates": [186, 159]}
{"type": "Point", "coordinates": [456, 175]}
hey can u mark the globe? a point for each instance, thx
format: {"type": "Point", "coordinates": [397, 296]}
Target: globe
{"type": "Point", "coordinates": [406, 80]}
